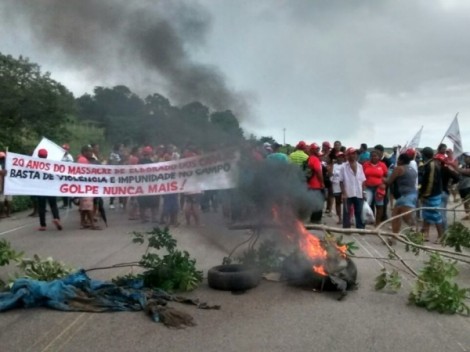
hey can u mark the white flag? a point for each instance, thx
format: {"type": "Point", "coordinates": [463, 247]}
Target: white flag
{"type": "Point", "coordinates": [414, 143]}
{"type": "Point", "coordinates": [453, 133]}
{"type": "Point", "coordinates": [54, 152]}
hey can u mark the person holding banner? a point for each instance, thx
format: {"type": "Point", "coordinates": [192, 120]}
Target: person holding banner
{"type": "Point", "coordinates": [148, 202]}
{"type": "Point", "coordinates": [67, 201]}
{"type": "Point", "coordinates": [87, 205]}
{"type": "Point", "coordinates": [42, 200]}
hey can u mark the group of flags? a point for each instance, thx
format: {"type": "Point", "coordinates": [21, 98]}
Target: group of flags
{"type": "Point", "coordinates": [452, 133]}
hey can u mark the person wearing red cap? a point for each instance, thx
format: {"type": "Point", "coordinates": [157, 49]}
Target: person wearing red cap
{"type": "Point", "coordinates": [43, 200]}
{"type": "Point", "coordinates": [299, 156]}
{"type": "Point", "coordinates": [402, 183]}
{"type": "Point", "coordinates": [325, 148]}
{"type": "Point", "coordinates": [5, 201]}
{"type": "Point", "coordinates": [315, 183]}
{"type": "Point", "coordinates": [352, 183]}
{"type": "Point", "coordinates": [449, 176]}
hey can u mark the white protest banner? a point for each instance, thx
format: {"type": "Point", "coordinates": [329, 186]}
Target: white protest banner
{"type": "Point", "coordinates": [54, 152]}
{"type": "Point", "coordinates": [42, 177]}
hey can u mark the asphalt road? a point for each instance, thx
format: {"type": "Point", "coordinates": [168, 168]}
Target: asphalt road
{"type": "Point", "coordinates": [271, 317]}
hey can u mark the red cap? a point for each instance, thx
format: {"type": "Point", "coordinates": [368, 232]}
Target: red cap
{"type": "Point", "coordinates": [301, 145]}
{"type": "Point", "coordinates": [147, 150]}
{"type": "Point", "coordinates": [326, 144]}
{"type": "Point", "coordinates": [66, 147]}
{"type": "Point", "coordinates": [350, 151]}
{"type": "Point", "coordinates": [410, 153]}
{"type": "Point", "coordinates": [314, 146]}
{"type": "Point", "coordinates": [42, 153]}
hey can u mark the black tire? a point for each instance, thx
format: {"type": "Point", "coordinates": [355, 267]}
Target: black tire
{"type": "Point", "coordinates": [233, 277]}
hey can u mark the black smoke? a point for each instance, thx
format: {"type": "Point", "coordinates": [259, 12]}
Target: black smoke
{"type": "Point", "coordinates": [146, 44]}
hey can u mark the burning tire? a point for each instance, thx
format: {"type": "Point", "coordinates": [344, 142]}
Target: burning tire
{"type": "Point", "coordinates": [298, 272]}
{"type": "Point", "coordinates": [233, 277]}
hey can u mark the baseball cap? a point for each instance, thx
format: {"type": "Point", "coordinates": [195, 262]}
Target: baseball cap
{"type": "Point", "coordinates": [410, 152]}
{"type": "Point", "coordinates": [42, 153]}
{"type": "Point", "coordinates": [314, 146]}
{"type": "Point", "coordinates": [301, 145]}
{"type": "Point", "coordinates": [326, 144]}
{"type": "Point", "coordinates": [147, 150]}
{"type": "Point", "coordinates": [350, 151]}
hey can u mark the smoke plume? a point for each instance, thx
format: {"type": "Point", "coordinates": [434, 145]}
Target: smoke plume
{"type": "Point", "coordinates": [145, 44]}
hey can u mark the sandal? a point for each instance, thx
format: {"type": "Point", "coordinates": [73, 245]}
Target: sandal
{"type": "Point", "coordinates": [57, 224]}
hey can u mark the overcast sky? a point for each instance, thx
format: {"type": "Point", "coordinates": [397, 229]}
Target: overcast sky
{"type": "Point", "coordinates": [357, 71]}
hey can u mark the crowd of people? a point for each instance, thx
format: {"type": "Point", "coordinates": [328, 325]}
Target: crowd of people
{"type": "Point", "coordinates": [343, 178]}
{"type": "Point", "coordinates": [401, 181]}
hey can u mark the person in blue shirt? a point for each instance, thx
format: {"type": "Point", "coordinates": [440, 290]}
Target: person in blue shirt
{"type": "Point", "coordinates": [276, 155]}
{"type": "Point", "coordinates": [364, 154]}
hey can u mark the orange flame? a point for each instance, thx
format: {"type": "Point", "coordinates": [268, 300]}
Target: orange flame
{"type": "Point", "coordinates": [309, 244]}
{"type": "Point", "coordinates": [312, 247]}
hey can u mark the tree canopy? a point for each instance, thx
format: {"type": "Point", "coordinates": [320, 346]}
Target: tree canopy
{"type": "Point", "coordinates": [154, 120]}
{"type": "Point", "coordinates": [32, 105]}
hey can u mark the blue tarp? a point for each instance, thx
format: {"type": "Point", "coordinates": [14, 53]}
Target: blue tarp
{"type": "Point", "coordinates": [77, 292]}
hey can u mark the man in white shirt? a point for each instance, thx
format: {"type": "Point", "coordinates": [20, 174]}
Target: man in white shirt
{"type": "Point", "coordinates": [352, 183]}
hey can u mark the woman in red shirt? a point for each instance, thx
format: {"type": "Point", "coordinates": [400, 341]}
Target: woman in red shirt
{"type": "Point", "coordinates": [376, 174]}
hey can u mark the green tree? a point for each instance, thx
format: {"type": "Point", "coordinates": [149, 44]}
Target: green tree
{"type": "Point", "coordinates": [227, 123]}
{"type": "Point", "coordinates": [32, 105]}
{"type": "Point", "coordinates": [120, 111]}
{"type": "Point", "coordinates": [268, 139]}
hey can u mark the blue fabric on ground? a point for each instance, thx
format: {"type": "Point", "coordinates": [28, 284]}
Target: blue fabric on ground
{"type": "Point", "coordinates": [75, 292]}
